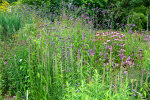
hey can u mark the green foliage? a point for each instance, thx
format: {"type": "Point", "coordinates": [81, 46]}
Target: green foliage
{"type": "Point", "coordinates": [9, 24]}
{"type": "Point", "coordinates": [138, 19]}
{"type": "Point", "coordinates": [38, 3]}
{"type": "Point", "coordinates": [65, 60]}
{"type": "Point", "coordinates": [11, 1]}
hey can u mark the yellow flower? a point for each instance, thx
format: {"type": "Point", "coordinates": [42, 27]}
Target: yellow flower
{"type": "Point", "coordinates": [4, 6]}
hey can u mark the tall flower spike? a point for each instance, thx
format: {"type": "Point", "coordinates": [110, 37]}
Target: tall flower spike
{"type": "Point", "coordinates": [128, 59]}
{"type": "Point", "coordinates": [94, 51]}
{"type": "Point", "coordinates": [82, 36]}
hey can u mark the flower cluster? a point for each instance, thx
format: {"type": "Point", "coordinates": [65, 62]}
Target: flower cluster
{"type": "Point", "coordinates": [4, 6]}
{"type": "Point", "coordinates": [114, 43]}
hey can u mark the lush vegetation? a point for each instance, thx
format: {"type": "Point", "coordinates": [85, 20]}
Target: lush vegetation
{"type": "Point", "coordinates": [74, 50]}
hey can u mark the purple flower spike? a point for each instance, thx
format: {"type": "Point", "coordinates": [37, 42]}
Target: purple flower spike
{"type": "Point", "coordinates": [90, 51]}
{"type": "Point", "coordinates": [79, 51]}
{"type": "Point", "coordinates": [128, 58]}
{"type": "Point", "coordinates": [94, 51]}
{"type": "Point", "coordinates": [106, 47]}
{"type": "Point", "coordinates": [133, 90]}
{"type": "Point", "coordinates": [82, 36]}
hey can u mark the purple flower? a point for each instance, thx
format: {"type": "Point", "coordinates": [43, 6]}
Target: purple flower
{"type": "Point", "coordinates": [79, 51]}
{"type": "Point", "coordinates": [125, 72]}
{"type": "Point", "coordinates": [94, 51]}
{"type": "Point", "coordinates": [82, 37]}
{"type": "Point", "coordinates": [128, 58]}
{"type": "Point", "coordinates": [133, 25]}
{"type": "Point", "coordinates": [133, 90]}
{"type": "Point", "coordinates": [121, 56]}
{"type": "Point", "coordinates": [107, 69]}
{"type": "Point", "coordinates": [134, 94]}
{"type": "Point", "coordinates": [106, 47]}
{"type": "Point", "coordinates": [90, 51]}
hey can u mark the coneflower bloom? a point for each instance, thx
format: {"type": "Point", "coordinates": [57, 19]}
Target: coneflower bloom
{"type": "Point", "coordinates": [112, 36]}
{"type": "Point", "coordinates": [105, 42]}
{"type": "Point", "coordinates": [122, 45]}
{"type": "Point", "coordinates": [115, 34]}
{"type": "Point", "coordinates": [123, 50]}
{"type": "Point", "coordinates": [104, 34]}
{"type": "Point", "coordinates": [97, 34]}
{"type": "Point", "coordinates": [116, 39]}
{"type": "Point", "coordinates": [5, 62]}
{"type": "Point", "coordinates": [110, 47]}
{"type": "Point", "coordinates": [108, 40]}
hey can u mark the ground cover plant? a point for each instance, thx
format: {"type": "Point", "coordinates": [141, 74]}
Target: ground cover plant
{"type": "Point", "coordinates": [72, 56]}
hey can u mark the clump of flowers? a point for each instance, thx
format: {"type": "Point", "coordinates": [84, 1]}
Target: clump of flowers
{"type": "Point", "coordinates": [4, 6]}
{"type": "Point", "coordinates": [114, 43]}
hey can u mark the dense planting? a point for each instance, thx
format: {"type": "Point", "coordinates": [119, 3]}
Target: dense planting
{"type": "Point", "coordinates": [72, 55]}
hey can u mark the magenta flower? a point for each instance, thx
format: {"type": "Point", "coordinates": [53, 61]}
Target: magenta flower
{"type": "Point", "coordinates": [128, 58]}
{"type": "Point", "coordinates": [94, 51]}
{"type": "Point", "coordinates": [82, 37]}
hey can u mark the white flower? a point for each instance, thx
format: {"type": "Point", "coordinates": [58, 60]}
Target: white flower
{"type": "Point", "coordinates": [20, 60]}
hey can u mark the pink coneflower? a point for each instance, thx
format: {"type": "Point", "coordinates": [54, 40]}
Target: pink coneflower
{"type": "Point", "coordinates": [123, 50]}
{"type": "Point", "coordinates": [104, 34]}
{"type": "Point", "coordinates": [108, 40]}
{"type": "Point", "coordinates": [112, 36]}
{"type": "Point", "coordinates": [105, 42]}
{"type": "Point", "coordinates": [1, 57]}
{"type": "Point", "coordinates": [97, 34]}
{"type": "Point", "coordinates": [116, 39]}
{"type": "Point", "coordinates": [120, 40]}
{"type": "Point", "coordinates": [108, 33]}
{"type": "Point", "coordinates": [110, 48]}
{"type": "Point", "coordinates": [5, 62]}
{"type": "Point", "coordinates": [122, 45]}
{"type": "Point", "coordinates": [115, 34]}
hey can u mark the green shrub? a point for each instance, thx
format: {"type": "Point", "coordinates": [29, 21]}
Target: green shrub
{"type": "Point", "coordinates": [37, 2]}
{"type": "Point", "coordinates": [137, 21]}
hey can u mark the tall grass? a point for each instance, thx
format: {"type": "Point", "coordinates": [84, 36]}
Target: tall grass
{"type": "Point", "coordinates": [9, 23]}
